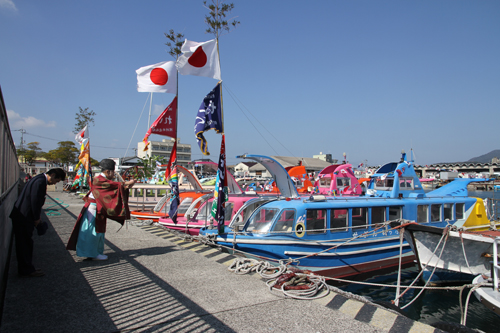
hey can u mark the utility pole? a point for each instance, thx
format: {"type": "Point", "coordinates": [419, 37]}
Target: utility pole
{"type": "Point", "coordinates": [21, 146]}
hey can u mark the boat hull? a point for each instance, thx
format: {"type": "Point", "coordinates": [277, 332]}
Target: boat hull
{"type": "Point", "coordinates": [326, 258]}
{"type": "Point", "coordinates": [462, 258]}
{"type": "Point", "coordinates": [486, 295]}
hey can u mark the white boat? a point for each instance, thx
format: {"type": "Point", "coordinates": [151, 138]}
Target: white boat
{"type": "Point", "coordinates": [488, 293]}
{"type": "Point", "coordinates": [450, 255]}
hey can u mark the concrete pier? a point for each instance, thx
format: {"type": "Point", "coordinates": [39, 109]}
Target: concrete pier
{"type": "Point", "coordinates": [156, 282]}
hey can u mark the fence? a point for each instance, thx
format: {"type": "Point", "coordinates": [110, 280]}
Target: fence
{"type": "Point", "coordinates": [9, 189]}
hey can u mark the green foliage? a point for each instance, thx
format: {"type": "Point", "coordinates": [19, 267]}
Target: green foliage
{"type": "Point", "coordinates": [216, 19]}
{"type": "Point", "coordinates": [147, 166]}
{"type": "Point", "coordinates": [66, 153]}
{"type": "Point", "coordinates": [83, 117]}
{"type": "Point", "coordinates": [31, 152]}
{"type": "Point", "coordinates": [175, 43]}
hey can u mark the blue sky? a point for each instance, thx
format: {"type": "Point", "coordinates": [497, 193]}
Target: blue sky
{"type": "Point", "coordinates": [368, 78]}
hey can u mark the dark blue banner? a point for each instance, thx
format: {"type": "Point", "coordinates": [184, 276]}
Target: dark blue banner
{"type": "Point", "coordinates": [209, 117]}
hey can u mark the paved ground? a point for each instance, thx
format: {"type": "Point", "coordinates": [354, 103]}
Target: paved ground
{"type": "Point", "coordinates": [156, 282]}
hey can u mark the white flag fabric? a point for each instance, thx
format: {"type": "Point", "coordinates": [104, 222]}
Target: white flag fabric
{"type": "Point", "coordinates": [160, 77]}
{"type": "Point", "coordinates": [200, 59]}
{"type": "Point", "coordinates": [82, 135]}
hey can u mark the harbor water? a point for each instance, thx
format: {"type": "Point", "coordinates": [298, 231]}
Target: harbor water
{"type": "Point", "coordinates": [432, 306]}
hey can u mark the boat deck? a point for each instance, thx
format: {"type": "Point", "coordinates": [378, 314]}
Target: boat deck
{"type": "Point", "coordinates": [156, 282]}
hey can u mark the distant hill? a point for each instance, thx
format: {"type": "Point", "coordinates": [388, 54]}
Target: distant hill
{"type": "Point", "coordinates": [486, 158]}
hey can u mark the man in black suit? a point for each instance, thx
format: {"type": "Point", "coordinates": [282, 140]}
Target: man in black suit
{"type": "Point", "coordinates": [26, 216]}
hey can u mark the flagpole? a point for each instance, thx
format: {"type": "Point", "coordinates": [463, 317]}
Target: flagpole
{"type": "Point", "coordinates": [150, 103]}
{"type": "Point", "coordinates": [220, 82]}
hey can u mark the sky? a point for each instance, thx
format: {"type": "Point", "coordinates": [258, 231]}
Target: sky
{"type": "Point", "coordinates": [365, 78]}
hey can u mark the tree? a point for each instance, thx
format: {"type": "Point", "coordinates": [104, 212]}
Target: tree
{"type": "Point", "coordinates": [147, 166]}
{"type": "Point", "coordinates": [175, 43]}
{"type": "Point", "coordinates": [216, 19]}
{"type": "Point", "coordinates": [83, 118]}
{"type": "Point", "coordinates": [32, 152]}
{"type": "Point", "coordinates": [65, 154]}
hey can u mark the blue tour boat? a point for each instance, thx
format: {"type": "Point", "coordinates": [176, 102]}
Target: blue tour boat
{"type": "Point", "coordinates": [342, 236]}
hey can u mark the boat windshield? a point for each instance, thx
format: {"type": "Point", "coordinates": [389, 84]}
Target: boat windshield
{"type": "Point", "coordinates": [261, 220]}
{"type": "Point", "coordinates": [204, 213]}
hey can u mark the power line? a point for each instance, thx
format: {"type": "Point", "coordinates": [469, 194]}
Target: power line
{"type": "Point", "coordinates": [94, 146]}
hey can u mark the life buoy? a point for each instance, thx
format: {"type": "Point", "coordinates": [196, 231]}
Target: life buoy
{"type": "Point", "coordinates": [300, 229]}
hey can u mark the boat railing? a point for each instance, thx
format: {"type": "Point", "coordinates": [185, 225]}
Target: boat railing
{"type": "Point", "coordinates": [495, 268]}
{"type": "Point", "coordinates": [492, 206]}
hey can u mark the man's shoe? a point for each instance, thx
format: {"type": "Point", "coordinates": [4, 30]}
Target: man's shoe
{"type": "Point", "coordinates": [36, 273]}
{"type": "Point", "coordinates": [101, 257]}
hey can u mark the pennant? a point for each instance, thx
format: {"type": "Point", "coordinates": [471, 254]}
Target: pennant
{"type": "Point", "coordinates": [160, 77]}
{"type": "Point", "coordinates": [200, 59]}
{"type": "Point", "coordinates": [165, 124]}
{"type": "Point", "coordinates": [173, 158]}
{"type": "Point", "coordinates": [84, 157]}
{"type": "Point", "coordinates": [209, 117]}
{"type": "Point", "coordinates": [82, 135]}
{"type": "Point", "coordinates": [173, 180]}
{"type": "Point", "coordinates": [221, 189]}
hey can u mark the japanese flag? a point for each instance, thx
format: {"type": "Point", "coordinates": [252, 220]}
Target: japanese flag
{"type": "Point", "coordinates": [160, 77]}
{"type": "Point", "coordinates": [82, 135]}
{"type": "Point", "coordinates": [200, 59]}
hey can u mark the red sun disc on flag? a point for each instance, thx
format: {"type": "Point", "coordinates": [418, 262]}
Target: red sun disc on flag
{"type": "Point", "coordinates": [159, 76]}
{"type": "Point", "coordinates": [198, 58]}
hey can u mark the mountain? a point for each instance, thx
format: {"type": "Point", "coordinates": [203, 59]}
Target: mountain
{"type": "Point", "coordinates": [486, 158]}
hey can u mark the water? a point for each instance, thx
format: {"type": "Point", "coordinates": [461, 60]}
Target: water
{"type": "Point", "coordinates": [431, 306]}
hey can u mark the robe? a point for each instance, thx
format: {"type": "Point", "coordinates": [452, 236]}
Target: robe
{"type": "Point", "coordinates": [111, 199]}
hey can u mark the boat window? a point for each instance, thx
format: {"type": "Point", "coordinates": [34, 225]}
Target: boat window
{"type": "Point", "coordinates": [435, 213]}
{"type": "Point", "coordinates": [338, 220]}
{"type": "Point", "coordinates": [138, 193]}
{"type": "Point", "coordinates": [325, 182]}
{"type": "Point", "coordinates": [359, 217]}
{"type": "Point", "coordinates": [150, 193]}
{"type": "Point", "coordinates": [394, 213]}
{"type": "Point", "coordinates": [406, 183]}
{"type": "Point", "coordinates": [460, 209]}
{"type": "Point", "coordinates": [422, 213]}
{"type": "Point", "coordinates": [316, 221]}
{"type": "Point", "coordinates": [204, 211]}
{"type": "Point", "coordinates": [378, 215]}
{"type": "Point", "coordinates": [285, 221]}
{"type": "Point", "coordinates": [262, 219]}
{"type": "Point", "coordinates": [228, 211]}
{"type": "Point", "coordinates": [162, 192]}
{"type": "Point", "coordinates": [343, 181]}
{"type": "Point", "coordinates": [448, 211]}
{"type": "Point", "coordinates": [384, 184]}
{"type": "Point", "coordinates": [184, 205]}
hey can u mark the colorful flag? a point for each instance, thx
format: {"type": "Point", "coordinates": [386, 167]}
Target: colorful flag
{"type": "Point", "coordinates": [200, 59]}
{"type": "Point", "coordinates": [221, 189]}
{"type": "Point", "coordinates": [165, 124]}
{"type": "Point", "coordinates": [209, 117]}
{"type": "Point", "coordinates": [173, 158]}
{"type": "Point", "coordinates": [160, 77]}
{"type": "Point", "coordinates": [82, 135]}
{"type": "Point", "coordinates": [173, 180]}
{"type": "Point", "coordinates": [84, 157]}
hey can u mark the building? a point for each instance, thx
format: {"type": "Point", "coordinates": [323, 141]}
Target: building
{"type": "Point", "coordinates": [326, 157]}
{"type": "Point", "coordinates": [311, 164]}
{"type": "Point", "coordinates": [124, 163]}
{"type": "Point", "coordinates": [163, 148]}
